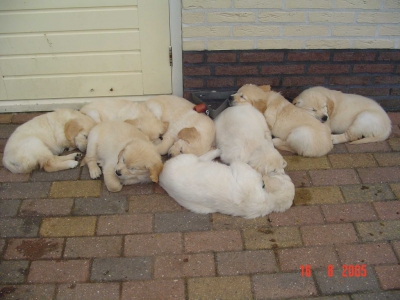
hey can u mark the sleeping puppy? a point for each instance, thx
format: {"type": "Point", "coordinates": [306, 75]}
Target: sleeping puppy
{"type": "Point", "coordinates": [125, 154]}
{"type": "Point", "coordinates": [188, 131]}
{"type": "Point", "coordinates": [38, 142]}
{"type": "Point", "coordinates": [121, 110]}
{"type": "Point", "coordinates": [242, 134]}
{"type": "Point", "coordinates": [354, 118]}
{"type": "Point", "coordinates": [293, 128]}
{"type": "Point", "coordinates": [204, 186]}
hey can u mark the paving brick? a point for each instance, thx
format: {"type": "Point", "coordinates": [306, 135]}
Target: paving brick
{"type": "Point", "coordinates": [370, 254]}
{"type": "Point", "coordinates": [224, 222]}
{"type": "Point", "coordinates": [229, 288]}
{"type": "Point", "coordinates": [24, 117]}
{"type": "Point", "coordinates": [390, 295]}
{"type": "Point", "coordinates": [394, 144]}
{"type": "Point", "coordinates": [24, 190]}
{"type": "Point", "coordinates": [114, 204]}
{"type": "Point", "coordinates": [13, 271]}
{"type": "Point", "coordinates": [396, 189]}
{"type": "Point", "coordinates": [369, 147]}
{"type": "Point", "coordinates": [389, 159]}
{"type": "Point", "coordinates": [379, 175]}
{"type": "Point", "coordinates": [295, 163]}
{"type": "Point", "coordinates": [75, 189]}
{"type": "Point", "coordinates": [389, 276]}
{"type": "Point", "coordinates": [181, 221]}
{"type": "Point", "coordinates": [317, 257]}
{"type": "Point", "coordinates": [328, 234]}
{"type": "Point", "coordinates": [2, 245]}
{"type": "Point", "coordinates": [68, 226]}
{"type": "Point", "coordinates": [121, 269]}
{"type": "Point", "coordinates": [271, 238]}
{"type": "Point", "coordinates": [184, 265]}
{"type": "Point", "coordinates": [83, 291]}
{"type": "Point", "coordinates": [318, 195]}
{"type": "Point", "coordinates": [93, 247]}
{"type": "Point", "coordinates": [46, 207]}
{"type": "Point", "coordinates": [339, 149]}
{"type": "Point", "coordinates": [283, 285]}
{"type": "Point", "coordinates": [299, 178]}
{"type": "Point", "coordinates": [9, 208]}
{"type": "Point", "coordinates": [5, 118]}
{"type": "Point", "coordinates": [34, 249]}
{"type": "Point", "coordinates": [19, 227]}
{"type": "Point", "coordinates": [59, 271]}
{"type": "Point", "coordinates": [359, 160]}
{"type": "Point", "coordinates": [246, 262]}
{"type": "Point", "coordinates": [297, 215]}
{"type": "Point", "coordinates": [389, 210]}
{"type": "Point", "coordinates": [7, 176]}
{"type": "Point", "coordinates": [28, 291]}
{"type": "Point", "coordinates": [379, 231]}
{"type": "Point", "coordinates": [41, 175]}
{"type": "Point", "coordinates": [333, 177]}
{"type": "Point", "coordinates": [367, 192]}
{"type": "Point", "coordinates": [154, 290]}
{"type": "Point", "coordinates": [224, 240]}
{"type": "Point", "coordinates": [396, 247]}
{"type": "Point", "coordinates": [153, 203]}
{"type": "Point", "coordinates": [339, 213]}
{"type": "Point", "coordinates": [124, 224]}
{"type": "Point", "coordinates": [340, 284]}
{"type": "Point", "coordinates": [153, 244]}
{"type": "Point", "coordinates": [6, 130]}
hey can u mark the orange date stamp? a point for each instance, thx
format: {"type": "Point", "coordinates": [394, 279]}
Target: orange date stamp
{"type": "Point", "coordinates": [347, 270]}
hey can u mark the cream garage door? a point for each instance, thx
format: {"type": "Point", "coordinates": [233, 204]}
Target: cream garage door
{"type": "Point", "coordinates": [53, 49]}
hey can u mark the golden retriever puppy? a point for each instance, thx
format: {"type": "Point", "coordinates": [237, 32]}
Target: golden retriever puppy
{"type": "Point", "coordinates": [353, 118]}
{"type": "Point", "coordinates": [204, 186]}
{"type": "Point", "coordinates": [121, 110]}
{"type": "Point", "coordinates": [242, 134]}
{"type": "Point", "coordinates": [293, 128]}
{"type": "Point", "coordinates": [188, 131]}
{"type": "Point", "coordinates": [39, 142]}
{"type": "Point", "coordinates": [125, 154]}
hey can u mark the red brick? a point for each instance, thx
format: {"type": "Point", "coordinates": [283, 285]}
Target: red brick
{"type": "Point", "coordinates": [196, 71]}
{"type": "Point", "coordinates": [389, 210]}
{"type": "Point", "coordinates": [160, 202]}
{"type": "Point", "coordinates": [7, 176]}
{"type": "Point", "coordinates": [273, 81]}
{"type": "Point", "coordinates": [370, 254]}
{"type": "Point", "coordinates": [394, 117]}
{"type": "Point", "coordinates": [34, 249]}
{"type": "Point", "coordinates": [328, 234]}
{"type": "Point", "coordinates": [297, 215]}
{"type": "Point", "coordinates": [308, 56]}
{"type": "Point", "coordinates": [89, 247]}
{"type": "Point", "coordinates": [59, 271]}
{"type": "Point", "coordinates": [236, 70]}
{"type": "Point", "coordinates": [184, 265]}
{"type": "Point", "coordinates": [261, 56]}
{"type": "Point", "coordinates": [387, 79]}
{"type": "Point", "coordinates": [392, 56]}
{"type": "Point", "coordinates": [46, 207]}
{"type": "Point", "coordinates": [328, 69]}
{"type": "Point", "coordinates": [349, 212]}
{"type": "Point", "coordinates": [153, 244]}
{"type": "Point", "coordinates": [333, 177]}
{"type": "Point", "coordinates": [283, 69]}
{"type": "Point", "coordinates": [98, 291]}
{"type": "Point", "coordinates": [24, 117]}
{"type": "Point", "coordinates": [299, 178]}
{"type": "Point", "coordinates": [28, 291]}
{"type": "Point", "coordinates": [389, 276]}
{"type": "Point", "coordinates": [370, 91]}
{"type": "Point", "coordinates": [317, 257]}
{"type": "Point", "coordinates": [192, 58]}
{"type": "Point", "coordinates": [228, 240]}
{"type": "Point", "coordinates": [396, 247]}
{"type": "Point", "coordinates": [373, 68]}
{"type": "Point", "coordinates": [369, 147]}
{"type": "Point", "coordinates": [349, 80]}
{"type": "Point", "coordinates": [379, 175]}
{"type": "Point", "coordinates": [354, 56]}
{"type": "Point", "coordinates": [154, 289]}
{"type": "Point", "coordinates": [221, 57]}
{"type": "Point", "coordinates": [124, 224]}
{"type": "Point", "coordinates": [303, 80]}
{"type": "Point", "coordinates": [193, 83]}
{"type": "Point", "coordinates": [220, 82]}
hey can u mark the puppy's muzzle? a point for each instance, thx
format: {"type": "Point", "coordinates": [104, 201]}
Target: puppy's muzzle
{"type": "Point", "coordinates": [324, 118]}
{"type": "Point", "coordinates": [118, 172]}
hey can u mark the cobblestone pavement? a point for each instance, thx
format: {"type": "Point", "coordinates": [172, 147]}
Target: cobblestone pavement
{"type": "Point", "coordinates": [64, 236]}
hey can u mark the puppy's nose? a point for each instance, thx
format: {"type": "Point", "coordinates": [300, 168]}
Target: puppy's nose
{"type": "Point", "coordinates": [118, 173]}
{"type": "Point", "coordinates": [324, 118]}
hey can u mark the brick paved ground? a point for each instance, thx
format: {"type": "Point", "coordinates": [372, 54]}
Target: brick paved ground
{"type": "Point", "coordinates": [63, 236]}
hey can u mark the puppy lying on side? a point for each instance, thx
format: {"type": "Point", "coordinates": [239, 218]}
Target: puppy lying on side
{"type": "Point", "coordinates": [354, 118]}
{"type": "Point", "coordinates": [204, 186]}
{"type": "Point", "coordinates": [121, 110]}
{"type": "Point", "coordinates": [242, 134]}
{"type": "Point", "coordinates": [294, 129]}
{"type": "Point", "coordinates": [125, 153]}
{"type": "Point", "coordinates": [188, 131]}
{"type": "Point", "coordinates": [38, 142]}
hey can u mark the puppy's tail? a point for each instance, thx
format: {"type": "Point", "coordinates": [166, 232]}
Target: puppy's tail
{"type": "Point", "coordinates": [370, 139]}
{"type": "Point", "coordinates": [210, 155]}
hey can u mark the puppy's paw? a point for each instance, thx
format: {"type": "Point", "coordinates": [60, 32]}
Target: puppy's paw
{"type": "Point", "coordinates": [72, 164]}
{"type": "Point", "coordinates": [95, 172]}
{"type": "Point", "coordinates": [114, 187]}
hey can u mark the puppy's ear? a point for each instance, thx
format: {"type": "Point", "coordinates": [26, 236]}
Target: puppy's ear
{"type": "Point", "coordinates": [298, 102]}
{"type": "Point", "coordinates": [120, 154]}
{"type": "Point", "coordinates": [189, 134]}
{"type": "Point", "coordinates": [265, 88]}
{"type": "Point", "coordinates": [330, 105]}
{"type": "Point", "coordinates": [72, 129]}
{"type": "Point", "coordinates": [133, 122]}
{"type": "Point", "coordinates": [155, 171]}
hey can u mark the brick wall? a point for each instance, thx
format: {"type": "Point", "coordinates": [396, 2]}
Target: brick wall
{"type": "Point", "coordinates": [374, 73]}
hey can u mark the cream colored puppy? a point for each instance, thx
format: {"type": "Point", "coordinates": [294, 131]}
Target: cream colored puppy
{"type": "Point", "coordinates": [242, 134]}
{"type": "Point", "coordinates": [204, 186]}
{"type": "Point", "coordinates": [293, 128]}
{"type": "Point", "coordinates": [353, 118]}
{"type": "Point", "coordinates": [121, 110]}
{"type": "Point", "coordinates": [38, 142]}
{"type": "Point", "coordinates": [188, 131]}
{"type": "Point", "coordinates": [125, 154]}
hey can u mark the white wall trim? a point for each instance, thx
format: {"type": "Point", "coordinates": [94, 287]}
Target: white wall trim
{"type": "Point", "coordinates": [175, 21]}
